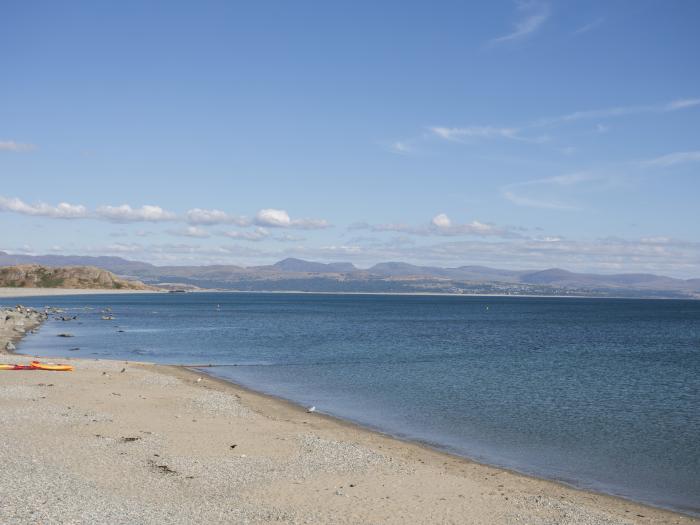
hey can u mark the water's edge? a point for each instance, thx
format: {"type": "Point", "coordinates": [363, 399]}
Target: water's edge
{"type": "Point", "coordinates": [435, 447]}
{"type": "Point", "coordinates": [268, 391]}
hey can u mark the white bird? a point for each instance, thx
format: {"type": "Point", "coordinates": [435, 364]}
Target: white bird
{"type": "Point", "coordinates": [311, 409]}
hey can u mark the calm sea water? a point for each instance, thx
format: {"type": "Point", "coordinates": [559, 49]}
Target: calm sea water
{"type": "Point", "coordinates": [602, 394]}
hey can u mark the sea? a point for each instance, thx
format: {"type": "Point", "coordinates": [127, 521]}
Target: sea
{"type": "Point", "coordinates": [601, 394]}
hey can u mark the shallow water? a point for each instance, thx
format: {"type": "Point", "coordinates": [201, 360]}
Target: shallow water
{"type": "Point", "coordinates": [599, 393]}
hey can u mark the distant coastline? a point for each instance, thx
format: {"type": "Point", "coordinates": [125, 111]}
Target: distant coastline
{"type": "Point", "coordinates": [300, 276]}
{"type": "Point", "coordinates": [8, 293]}
{"type": "Point", "coordinates": [445, 294]}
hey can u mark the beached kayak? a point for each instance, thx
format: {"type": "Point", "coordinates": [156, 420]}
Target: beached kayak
{"type": "Point", "coordinates": [36, 365]}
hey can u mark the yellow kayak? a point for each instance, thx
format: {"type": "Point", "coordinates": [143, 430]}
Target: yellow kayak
{"type": "Point", "coordinates": [51, 366]}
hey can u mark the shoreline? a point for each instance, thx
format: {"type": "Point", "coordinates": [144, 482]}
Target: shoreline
{"type": "Point", "coordinates": [516, 497]}
{"type": "Point", "coordinates": [422, 445]}
{"type": "Point", "coordinates": [20, 293]}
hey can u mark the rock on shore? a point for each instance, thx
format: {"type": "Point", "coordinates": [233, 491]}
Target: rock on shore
{"type": "Point", "coordinates": [15, 322]}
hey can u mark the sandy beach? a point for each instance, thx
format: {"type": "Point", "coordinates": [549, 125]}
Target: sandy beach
{"type": "Point", "coordinates": [50, 292]}
{"type": "Point", "coordinates": [128, 442]}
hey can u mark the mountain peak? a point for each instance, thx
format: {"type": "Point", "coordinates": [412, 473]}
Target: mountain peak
{"type": "Point", "coordinates": [291, 264]}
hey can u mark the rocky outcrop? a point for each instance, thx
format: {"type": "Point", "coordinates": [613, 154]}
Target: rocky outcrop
{"type": "Point", "coordinates": [37, 276]}
{"type": "Point", "coordinates": [15, 322]}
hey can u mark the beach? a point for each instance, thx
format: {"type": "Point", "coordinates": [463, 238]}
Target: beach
{"type": "Point", "coordinates": [11, 293]}
{"type": "Point", "coordinates": [126, 442]}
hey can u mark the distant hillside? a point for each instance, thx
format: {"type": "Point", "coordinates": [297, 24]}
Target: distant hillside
{"type": "Point", "coordinates": [113, 264]}
{"type": "Point", "coordinates": [37, 276]}
{"type": "Point", "coordinates": [299, 265]}
{"type": "Point", "coordinates": [389, 277]}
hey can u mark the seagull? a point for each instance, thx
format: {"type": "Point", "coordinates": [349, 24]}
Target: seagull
{"type": "Point", "coordinates": [311, 409]}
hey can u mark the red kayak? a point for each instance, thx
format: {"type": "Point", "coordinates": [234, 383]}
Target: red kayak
{"type": "Point", "coordinates": [36, 365]}
{"type": "Point", "coordinates": [16, 367]}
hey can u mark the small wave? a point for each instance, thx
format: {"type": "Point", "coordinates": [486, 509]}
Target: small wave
{"type": "Point", "coordinates": [141, 351]}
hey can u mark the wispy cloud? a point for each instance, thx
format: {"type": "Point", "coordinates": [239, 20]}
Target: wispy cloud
{"type": "Point", "coordinates": [527, 133]}
{"type": "Point", "coordinates": [619, 111]}
{"type": "Point", "coordinates": [191, 231]}
{"type": "Point", "coordinates": [533, 15]}
{"type": "Point", "coordinates": [671, 159]}
{"type": "Point", "coordinates": [543, 192]}
{"type": "Point", "coordinates": [590, 26]}
{"type": "Point", "coordinates": [258, 235]}
{"type": "Point", "coordinates": [531, 202]}
{"type": "Point", "coordinates": [546, 192]}
{"type": "Point", "coordinates": [682, 103]}
{"type": "Point", "coordinates": [18, 147]}
{"type": "Point", "coordinates": [460, 134]}
{"type": "Point", "coordinates": [471, 133]}
{"type": "Point", "coordinates": [440, 225]}
{"type": "Point", "coordinates": [400, 147]}
{"type": "Point", "coordinates": [286, 237]}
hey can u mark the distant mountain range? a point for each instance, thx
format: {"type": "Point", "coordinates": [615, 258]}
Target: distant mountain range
{"type": "Point", "coordinates": [389, 277]}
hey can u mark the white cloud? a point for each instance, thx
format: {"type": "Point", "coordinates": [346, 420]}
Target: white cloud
{"type": "Point", "coordinates": [126, 213]}
{"type": "Point", "coordinates": [274, 218]}
{"type": "Point", "coordinates": [63, 210]}
{"type": "Point", "coordinates": [11, 145]}
{"type": "Point", "coordinates": [268, 217]}
{"type": "Point", "coordinates": [441, 221]}
{"type": "Point", "coordinates": [533, 16]}
{"type": "Point", "coordinates": [203, 216]}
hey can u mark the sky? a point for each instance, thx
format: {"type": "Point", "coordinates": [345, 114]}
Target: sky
{"type": "Point", "coordinates": [514, 134]}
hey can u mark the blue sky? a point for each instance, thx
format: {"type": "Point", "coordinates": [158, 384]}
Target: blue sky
{"type": "Point", "coordinates": [514, 134]}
